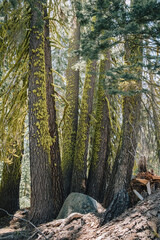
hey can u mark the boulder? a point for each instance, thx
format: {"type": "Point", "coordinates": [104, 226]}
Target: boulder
{"type": "Point", "coordinates": [80, 203]}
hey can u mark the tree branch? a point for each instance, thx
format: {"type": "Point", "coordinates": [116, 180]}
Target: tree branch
{"type": "Point", "coordinates": [27, 221]}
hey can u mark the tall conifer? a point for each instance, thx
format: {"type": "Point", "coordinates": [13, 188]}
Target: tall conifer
{"type": "Point", "coordinates": [42, 205]}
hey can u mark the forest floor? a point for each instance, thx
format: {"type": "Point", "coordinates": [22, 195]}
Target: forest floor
{"type": "Point", "coordinates": [140, 222]}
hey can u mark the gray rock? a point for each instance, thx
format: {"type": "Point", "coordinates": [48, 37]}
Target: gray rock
{"type": "Point", "coordinates": [78, 202]}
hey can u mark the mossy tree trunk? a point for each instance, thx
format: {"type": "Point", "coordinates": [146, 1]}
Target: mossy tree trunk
{"type": "Point", "coordinates": [71, 115]}
{"type": "Point", "coordinates": [81, 150]}
{"type": "Point", "coordinates": [157, 129]}
{"type": "Point", "coordinates": [99, 168]}
{"type": "Point", "coordinates": [155, 116]}
{"type": "Point", "coordinates": [42, 205]}
{"type": "Point", "coordinates": [116, 198]}
{"type": "Point", "coordinates": [10, 182]}
{"type": "Point", "coordinates": [53, 128]}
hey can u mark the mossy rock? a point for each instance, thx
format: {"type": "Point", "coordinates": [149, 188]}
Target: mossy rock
{"type": "Point", "coordinates": [78, 202]}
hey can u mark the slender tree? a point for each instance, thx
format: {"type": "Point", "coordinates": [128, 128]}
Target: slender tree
{"type": "Point", "coordinates": [13, 99]}
{"type": "Point", "coordinates": [71, 115]}
{"type": "Point", "coordinates": [99, 168]}
{"type": "Point", "coordinates": [116, 198]}
{"type": "Point", "coordinates": [53, 128]}
{"type": "Point", "coordinates": [155, 116]}
{"type": "Point", "coordinates": [79, 175]}
{"type": "Point", "coordinates": [10, 182]}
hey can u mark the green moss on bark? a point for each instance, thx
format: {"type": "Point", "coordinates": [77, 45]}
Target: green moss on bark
{"type": "Point", "coordinates": [81, 150]}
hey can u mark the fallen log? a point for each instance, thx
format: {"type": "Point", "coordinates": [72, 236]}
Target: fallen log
{"type": "Point", "coordinates": [145, 183]}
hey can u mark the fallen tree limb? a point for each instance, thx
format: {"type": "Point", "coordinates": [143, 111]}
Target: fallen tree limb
{"type": "Point", "coordinates": [27, 221]}
{"type": "Point", "coordinates": [138, 194]}
{"type": "Point", "coordinates": [148, 188]}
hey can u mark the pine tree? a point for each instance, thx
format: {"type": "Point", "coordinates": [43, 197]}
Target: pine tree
{"type": "Point", "coordinates": [42, 205]}
{"type": "Point", "coordinates": [10, 182]}
{"type": "Point", "coordinates": [155, 116]}
{"type": "Point", "coordinates": [71, 114]}
{"type": "Point", "coordinates": [99, 167]}
{"type": "Point", "coordinates": [116, 198]}
{"type": "Point", "coordinates": [79, 175]}
{"type": "Point", "coordinates": [55, 157]}
{"type": "Point", "coordinates": [13, 95]}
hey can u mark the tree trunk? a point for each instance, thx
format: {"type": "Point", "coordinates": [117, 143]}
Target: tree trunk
{"type": "Point", "coordinates": [99, 168]}
{"type": "Point", "coordinates": [157, 129]}
{"type": "Point", "coordinates": [81, 149]}
{"type": "Point", "coordinates": [10, 182]}
{"type": "Point", "coordinates": [71, 117]}
{"type": "Point", "coordinates": [155, 117]}
{"type": "Point", "coordinates": [42, 206]}
{"type": "Point", "coordinates": [116, 198]}
{"type": "Point", "coordinates": [53, 128]}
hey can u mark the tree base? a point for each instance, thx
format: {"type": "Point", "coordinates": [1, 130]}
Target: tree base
{"type": "Point", "coordinates": [118, 205]}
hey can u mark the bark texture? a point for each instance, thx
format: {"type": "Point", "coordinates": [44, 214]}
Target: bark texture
{"type": "Point", "coordinates": [42, 206]}
{"type": "Point", "coordinates": [99, 168]}
{"type": "Point", "coordinates": [53, 128]}
{"type": "Point", "coordinates": [81, 149]}
{"type": "Point", "coordinates": [116, 198]}
{"type": "Point", "coordinates": [9, 187]}
{"type": "Point", "coordinates": [140, 222]}
{"type": "Point", "coordinates": [117, 195]}
{"type": "Point", "coordinates": [71, 115]}
{"type": "Point", "coordinates": [155, 117]}
{"type": "Point", "coordinates": [157, 129]}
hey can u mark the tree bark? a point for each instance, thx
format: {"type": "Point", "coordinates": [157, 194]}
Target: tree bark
{"type": "Point", "coordinates": [42, 206]}
{"type": "Point", "coordinates": [10, 182]}
{"type": "Point", "coordinates": [81, 150]}
{"type": "Point", "coordinates": [99, 168]}
{"type": "Point", "coordinates": [157, 129]}
{"type": "Point", "coordinates": [116, 198]}
{"type": "Point", "coordinates": [155, 117]}
{"type": "Point", "coordinates": [53, 128]}
{"type": "Point", "coordinates": [71, 117]}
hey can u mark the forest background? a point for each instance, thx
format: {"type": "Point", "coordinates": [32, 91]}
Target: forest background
{"type": "Point", "coordinates": [79, 101]}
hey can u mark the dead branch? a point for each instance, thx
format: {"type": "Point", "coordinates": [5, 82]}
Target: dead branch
{"type": "Point", "coordinates": [27, 221]}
